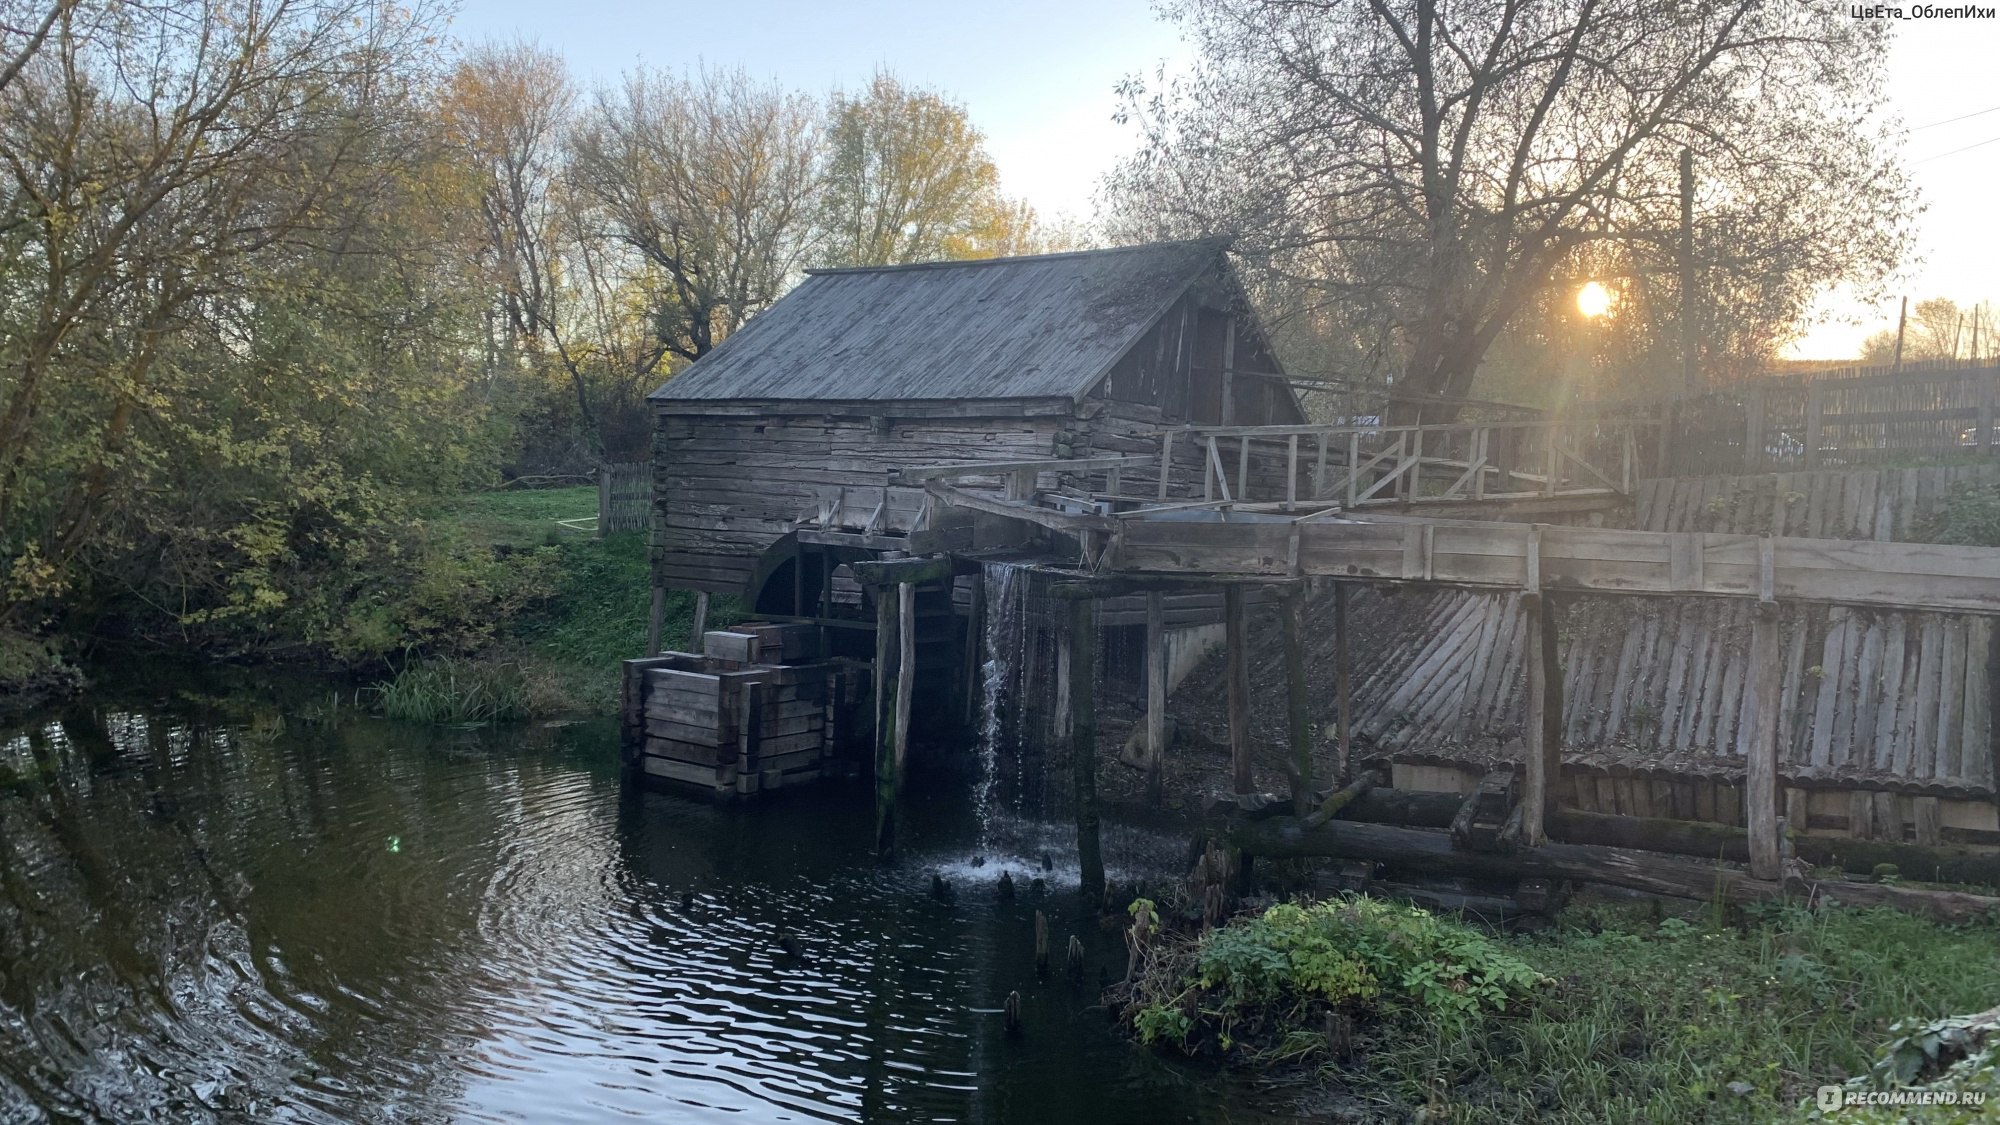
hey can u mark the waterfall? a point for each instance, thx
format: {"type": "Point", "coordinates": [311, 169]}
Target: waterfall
{"type": "Point", "coordinates": [1005, 637]}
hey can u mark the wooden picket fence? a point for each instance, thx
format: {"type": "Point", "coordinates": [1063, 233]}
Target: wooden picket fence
{"type": "Point", "coordinates": [1847, 421]}
{"type": "Point", "coordinates": [624, 496]}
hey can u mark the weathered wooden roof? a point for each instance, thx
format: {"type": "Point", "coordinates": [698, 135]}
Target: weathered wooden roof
{"type": "Point", "coordinates": [1046, 326]}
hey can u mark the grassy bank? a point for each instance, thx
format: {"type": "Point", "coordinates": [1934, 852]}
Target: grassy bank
{"type": "Point", "coordinates": [558, 653]}
{"type": "Point", "coordinates": [1619, 1013]}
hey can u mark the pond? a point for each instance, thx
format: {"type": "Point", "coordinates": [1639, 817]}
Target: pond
{"type": "Point", "coordinates": [267, 906]}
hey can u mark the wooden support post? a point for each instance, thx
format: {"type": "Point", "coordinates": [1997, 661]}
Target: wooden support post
{"type": "Point", "coordinates": [1083, 741]}
{"type": "Point", "coordinates": [700, 621]}
{"type": "Point", "coordinates": [1543, 726]}
{"type": "Point", "coordinates": [1353, 467]}
{"type": "Point", "coordinates": [655, 619]}
{"type": "Point", "coordinates": [1298, 724]}
{"type": "Point", "coordinates": [1343, 685]}
{"type": "Point", "coordinates": [1760, 779]}
{"type": "Point", "coordinates": [1237, 676]}
{"type": "Point", "coordinates": [1292, 473]}
{"type": "Point", "coordinates": [888, 666]}
{"type": "Point", "coordinates": [1166, 462]}
{"type": "Point", "coordinates": [906, 675]}
{"type": "Point", "coordinates": [975, 614]}
{"type": "Point", "coordinates": [1156, 696]}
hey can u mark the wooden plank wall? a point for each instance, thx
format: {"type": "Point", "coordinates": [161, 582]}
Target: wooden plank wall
{"type": "Point", "coordinates": [726, 488]}
{"type": "Point", "coordinates": [1900, 700]}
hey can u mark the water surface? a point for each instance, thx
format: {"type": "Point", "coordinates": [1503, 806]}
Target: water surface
{"type": "Point", "coordinates": [214, 907]}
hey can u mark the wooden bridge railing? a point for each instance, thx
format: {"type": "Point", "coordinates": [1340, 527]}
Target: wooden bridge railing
{"type": "Point", "coordinates": [1354, 467]}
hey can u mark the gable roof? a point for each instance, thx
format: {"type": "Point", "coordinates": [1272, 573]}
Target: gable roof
{"type": "Point", "coordinates": [1045, 326]}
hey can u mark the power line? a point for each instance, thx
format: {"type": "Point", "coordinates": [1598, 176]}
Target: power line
{"type": "Point", "coordinates": [1951, 120]}
{"type": "Point", "coordinates": [1956, 151]}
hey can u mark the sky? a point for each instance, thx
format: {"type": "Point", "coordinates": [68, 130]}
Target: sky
{"type": "Point", "coordinates": [1038, 77]}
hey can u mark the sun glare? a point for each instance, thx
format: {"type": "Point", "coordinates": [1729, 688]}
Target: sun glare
{"type": "Point", "coordinates": [1593, 300]}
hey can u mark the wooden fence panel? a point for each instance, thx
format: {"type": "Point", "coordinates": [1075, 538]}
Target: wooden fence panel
{"type": "Point", "coordinates": [1840, 421]}
{"type": "Point", "coordinates": [624, 496]}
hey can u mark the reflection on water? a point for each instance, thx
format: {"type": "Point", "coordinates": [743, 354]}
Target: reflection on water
{"type": "Point", "coordinates": [224, 910]}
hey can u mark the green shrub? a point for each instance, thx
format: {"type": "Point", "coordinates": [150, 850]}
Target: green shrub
{"type": "Point", "coordinates": [1269, 980]}
{"type": "Point", "coordinates": [1970, 516]}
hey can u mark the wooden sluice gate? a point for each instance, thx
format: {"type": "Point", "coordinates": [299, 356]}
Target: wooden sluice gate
{"type": "Point", "coordinates": [758, 710]}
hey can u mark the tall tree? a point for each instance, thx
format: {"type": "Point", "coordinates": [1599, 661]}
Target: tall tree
{"type": "Point", "coordinates": [712, 179]}
{"type": "Point", "coordinates": [1938, 328]}
{"type": "Point", "coordinates": [154, 155]}
{"type": "Point", "coordinates": [908, 179]}
{"type": "Point", "coordinates": [1419, 173]}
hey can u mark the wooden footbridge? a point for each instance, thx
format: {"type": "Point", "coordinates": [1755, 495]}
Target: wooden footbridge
{"type": "Point", "coordinates": [1277, 505]}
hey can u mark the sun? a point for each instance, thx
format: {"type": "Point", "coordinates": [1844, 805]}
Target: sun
{"type": "Point", "coordinates": [1593, 300]}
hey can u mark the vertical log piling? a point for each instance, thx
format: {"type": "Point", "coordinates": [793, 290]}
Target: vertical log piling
{"type": "Point", "coordinates": [1156, 696]}
{"type": "Point", "coordinates": [1298, 723]}
{"type": "Point", "coordinates": [1083, 740]}
{"type": "Point", "coordinates": [1238, 676]}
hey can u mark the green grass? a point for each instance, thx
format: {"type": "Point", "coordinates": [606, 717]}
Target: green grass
{"type": "Point", "coordinates": [1676, 1019]}
{"type": "Point", "coordinates": [559, 656]}
{"type": "Point", "coordinates": [521, 517]}
{"type": "Point", "coordinates": [447, 690]}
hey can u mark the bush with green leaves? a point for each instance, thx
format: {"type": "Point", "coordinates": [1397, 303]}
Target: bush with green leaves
{"type": "Point", "coordinates": [1269, 980]}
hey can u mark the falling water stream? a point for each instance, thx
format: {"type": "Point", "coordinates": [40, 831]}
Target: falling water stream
{"type": "Point", "coordinates": [229, 901]}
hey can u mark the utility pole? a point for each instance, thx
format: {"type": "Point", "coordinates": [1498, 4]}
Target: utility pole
{"type": "Point", "coordinates": [1690, 360]}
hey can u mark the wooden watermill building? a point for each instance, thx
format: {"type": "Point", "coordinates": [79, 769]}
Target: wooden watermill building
{"type": "Point", "coordinates": [776, 456]}
{"type": "Point", "coordinates": [797, 421]}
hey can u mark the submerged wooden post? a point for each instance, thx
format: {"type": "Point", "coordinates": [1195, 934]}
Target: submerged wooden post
{"type": "Point", "coordinates": [1543, 724]}
{"type": "Point", "coordinates": [1156, 696]}
{"type": "Point", "coordinates": [1298, 723]}
{"type": "Point", "coordinates": [1238, 677]}
{"type": "Point", "coordinates": [1343, 685]}
{"type": "Point", "coordinates": [1083, 740]}
{"type": "Point", "coordinates": [1760, 777]}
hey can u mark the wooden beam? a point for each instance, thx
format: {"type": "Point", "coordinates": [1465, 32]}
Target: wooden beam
{"type": "Point", "coordinates": [883, 572]}
{"type": "Point", "coordinates": [1704, 840]}
{"type": "Point", "coordinates": [888, 673]}
{"type": "Point", "coordinates": [1291, 614]}
{"type": "Point", "coordinates": [655, 618]}
{"type": "Point", "coordinates": [1343, 685]}
{"type": "Point", "coordinates": [1237, 676]}
{"type": "Point", "coordinates": [906, 675]}
{"type": "Point", "coordinates": [1044, 517]}
{"type": "Point", "coordinates": [1760, 781]}
{"type": "Point", "coordinates": [700, 621]}
{"type": "Point", "coordinates": [1428, 851]}
{"type": "Point", "coordinates": [1481, 555]}
{"type": "Point", "coordinates": [1543, 724]}
{"type": "Point", "coordinates": [1156, 696]}
{"type": "Point", "coordinates": [918, 474]}
{"type": "Point", "coordinates": [1083, 743]}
